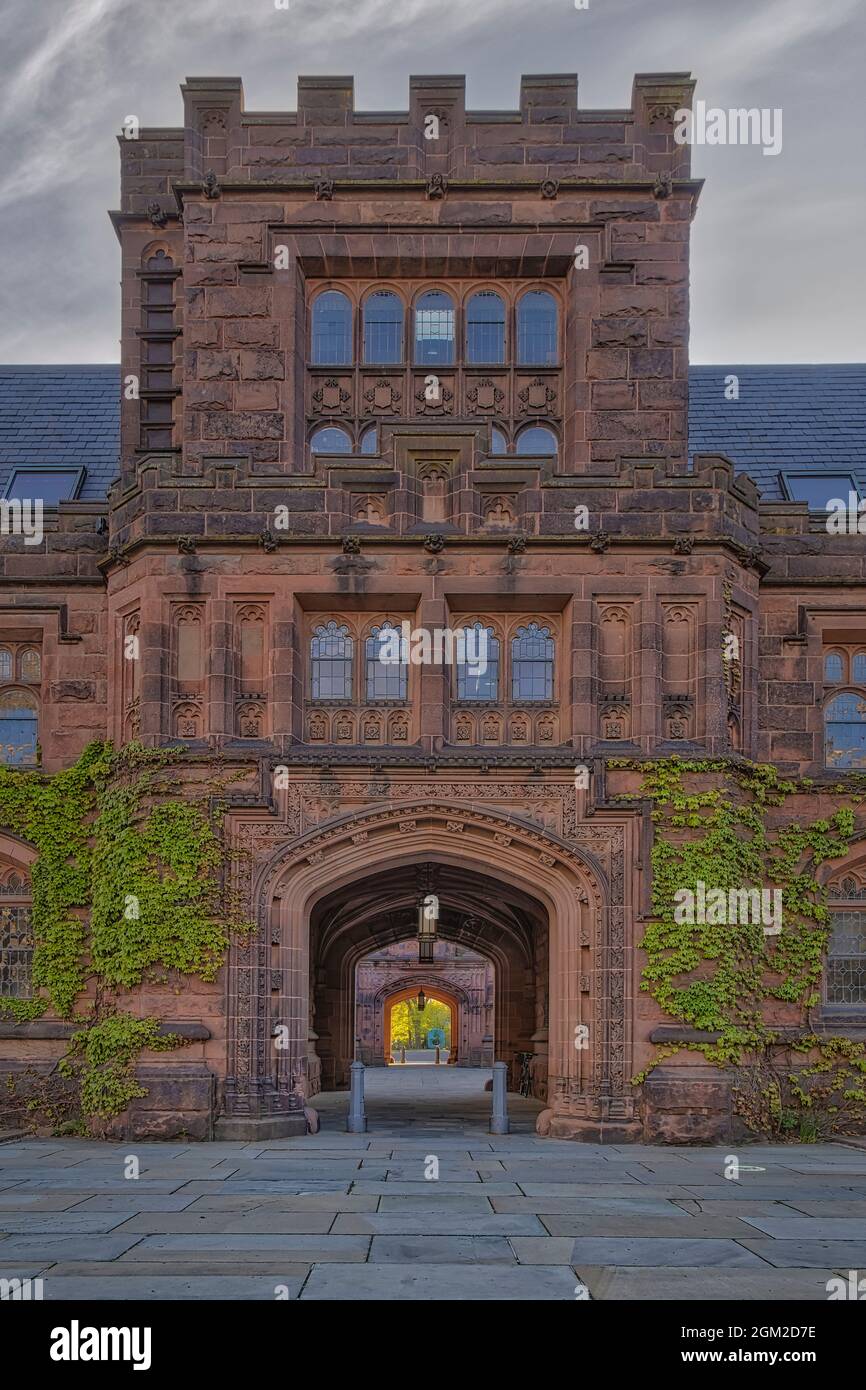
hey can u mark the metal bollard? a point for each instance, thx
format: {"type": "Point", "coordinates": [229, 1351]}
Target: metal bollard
{"type": "Point", "coordinates": [356, 1121]}
{"type": "Point", "coordinates": [402, 1054]}
{"type": "Point", "coordinates": [437, 1055]}
{"type": "Point", "coordinates": [499, 1113]}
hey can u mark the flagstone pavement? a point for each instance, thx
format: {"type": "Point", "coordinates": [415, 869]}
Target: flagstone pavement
{"type": "Point", "coordinates": [364, 1216]}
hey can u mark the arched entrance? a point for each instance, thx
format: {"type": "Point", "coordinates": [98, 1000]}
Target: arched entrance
{"type": "Point", "coordinates": [540, 910]}
{"type": "Point", "coordinates": [434, 994]}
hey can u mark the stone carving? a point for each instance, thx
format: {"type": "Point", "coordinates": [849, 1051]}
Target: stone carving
{"type": "Point", "coordinates": [549, 188]}
{"type": "Point", "coordinates": [600, 542]}
{"type": "Point", "coordinates": [251, 720]}
{"type": "Point", "coordinates": [663, 114]}
{"type": "Point", "coordinates": [441, 404]}
{"type": "Point", "coordinates": [437, 186]}
{"type": "Point", "coordinates": [498, 512]}
{"type": "Point", "coordinates": [664, 185]}
{"type": "Point", "coordinates": [318, 726]}
{"type": "Point", "coordinates": [683, 545]}
{"type": "Point", "coordinates": [267, 541]}
{"type": "Point", "coordinates": [485, 395]}
{"type": "Point", "coordinates": [324, 190]}
{"type": "Point", "coordinates": [351, 545]}
{"type": "Point", "coordinates": [537, 396]}
{"type": "Point", "coordinates": [156, 215]}
{"type": "Point", "coordinates": [210, 185]}
{"type": "Point", "coordinates": [434, 544]}
{"type": "Point", "coordinates": [332, 398]}
{"type": "Point", "coordinates": [186, 545]}
{"type": "Point", "coordinates": [383, 398]}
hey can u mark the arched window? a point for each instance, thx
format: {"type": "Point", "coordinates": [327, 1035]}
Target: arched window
{"type": "Point", "coordinates": [5, 664]}
{"type": "Point", "coordinates": [858, 668]}
{"type": "Point", "coordinates": [387, 671]}
{"type": "Point", "coordinates": [845, 731]}
{"type": "Point", "coordinates": [330, 439]}
{"type": "Point", "coordinates": [332, 330]}
{"type": "Point", "coordinates": [537, 440]}
{"type": "Point", "coordinates": [370, 440]}
{"type": "Point", "coordinates": [478, 664]}
{"type": "Point", "coordinates": [485, 329]}
{"type": "Point", "coordinates": [434, 329]}
{"type": "Point", "coordinates": [383, 329]}
{"type": "Point", "coordinates": [29, 665]}
{"type": "Point", "coordinates": [537, 330]}
{"type": "Point", "coordinates": [331, 662]}
{"type": "Point", "coordinates": [532, 652]}
{"type": "Point", "coordinates": [834, 669]}
{"type": "Point", "coordinates": [845, 975]}
{"type": "Point", "coordinates": [498, 442]}
{"type": "Point", "coordinates": [19, 723]}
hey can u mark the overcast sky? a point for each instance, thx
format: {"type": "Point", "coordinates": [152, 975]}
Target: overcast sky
{"type": "Point", "coordinates": [778, 245]}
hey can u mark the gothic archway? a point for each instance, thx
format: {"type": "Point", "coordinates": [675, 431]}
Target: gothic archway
{"type": "Point", "coordinates": [433, 990]}
{"type": "Point", "coordinates": [577, 886]}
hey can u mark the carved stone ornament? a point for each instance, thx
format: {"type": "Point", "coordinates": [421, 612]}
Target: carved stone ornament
{"type": "Point", "coordinates": [549, 188]}
{"type": "Point", "coordinates": [210, 185]}
{"type": "Point", "coordinates": [331, 397]}
{"type": "Point", "coordinates": [186, 545]}
{"type": "Point", "coordinates": [486, 395]}
{"type": "Point", "coordinates": [324, 190]}
{"type": "Point", "coordinates": [267, 541]}
{"type": "Point", "coordinates": [434, 544]}
{"type": "Point", "coordinates": [664, 185]}
{"type": "Point", "coordinates": [516, 545]}
{"type": "Point", "coordinates": [600, 542]}
{"type": "Point", "coordinates": [437, 186]}
{"type": "Point", "coordinates": [662, 114]}
{"type": "Point", "coordinates": [351, 545]}
{"type": "Point", "coordinates": [535, 397]}
{"type": "Point", "coordinates": [683, 545]}
{"type": "Point", "coordinates": [156, 215]}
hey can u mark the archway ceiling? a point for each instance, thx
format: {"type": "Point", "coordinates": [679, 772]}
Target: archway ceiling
{"type": "Point", "coordinates": [475, 911]}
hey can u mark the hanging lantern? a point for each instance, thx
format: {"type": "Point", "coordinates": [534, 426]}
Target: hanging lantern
{"type": "Point", "coordinates": [428, 916]}
{"type": "Point", "coordinates": [421, 1001]}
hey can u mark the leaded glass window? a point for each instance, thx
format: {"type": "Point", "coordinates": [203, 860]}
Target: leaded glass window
{"type": "Point", "coordinates": [331, 658]}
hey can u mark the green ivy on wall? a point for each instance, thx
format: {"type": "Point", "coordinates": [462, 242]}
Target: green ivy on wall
{"type": "Point", "coordinates": [723, 823]}
{"type": "Point", "coordinates": [127, 886]}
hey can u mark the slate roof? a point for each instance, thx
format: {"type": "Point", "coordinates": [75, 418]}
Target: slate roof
{"type": "Point", "coordinates": [809, 417]}
{"type": "Point", "coordinates": [61, 415]}
{"type": "Point", "coordinates": [790, 417]}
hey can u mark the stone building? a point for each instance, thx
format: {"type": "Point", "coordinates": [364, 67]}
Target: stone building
{"type": "Point", "coordinates": [425, 367]}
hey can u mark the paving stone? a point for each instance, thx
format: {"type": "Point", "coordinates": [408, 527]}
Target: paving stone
{"type": "Point", "coordinates": [807, 1227]}
{"type": "Point", "coordinates": [237, 1223]}
{"type": "Point", "coordinates": [433, 1249]}
{"type": "Point", "coordinates": [70, 1223]}
{"type": "Point", "coordinates": [585, 1189]}
{"type": "Point", "coordinates": [311, 1201]}
{"type": "Point", "coordinates": [793, 1254]}
{"type": "Point", "coordinates": [170, 1288]}
{"type": "Point", "coordinates": [603, 1224]}
{"type": "Point", "coordinates": [310, 1248]}
{"type": "Point", "coordinates": [584, 1206]}
{"type": "Point", "coordinates": [698, 1285]}
{"type": "Point", "coordinates": [70, 1247]}
{"type": "Point", "coordinates": [134, 1201]}
{"type": "Point", "coordinates": [436, 1222]}
{"type": "Point", "coordinates": [16, 1200]}
{"type": "Point", "coordinates": [465, 1189]}
{"type": "Point", "coordinates": [652, 1250]}
{"type": "Point", "coordinates": [228, 1268]}
{"type": "Point", "coordinates": [439, 1282]}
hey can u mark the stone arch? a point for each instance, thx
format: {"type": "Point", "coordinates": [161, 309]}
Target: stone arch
{"type": "Point", "coordinates": [392, 994]}
{"type": "Point", "coordinates": [586, 972]}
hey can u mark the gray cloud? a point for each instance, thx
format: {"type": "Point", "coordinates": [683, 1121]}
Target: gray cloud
{"type": "Point", "coordinates": [776, 245]}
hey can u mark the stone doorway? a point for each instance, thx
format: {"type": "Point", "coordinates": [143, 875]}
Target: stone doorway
{"type": "Point", "coordinates": [547, 911]}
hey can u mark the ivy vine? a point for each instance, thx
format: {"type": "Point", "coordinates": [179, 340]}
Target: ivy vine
{"type": "Point", "coordinates": [724, 823]}
{"type": "Point", "coordinates": [127, 888]}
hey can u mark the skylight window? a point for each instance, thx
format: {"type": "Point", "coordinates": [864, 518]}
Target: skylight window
{"type": "Point", "coordinates": [51, 485]}
{"type": "Point", "coordinates": [818, 489]}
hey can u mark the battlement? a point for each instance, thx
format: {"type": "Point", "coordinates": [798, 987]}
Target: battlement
{"type": "Point", "coordinates": [546, 138]}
